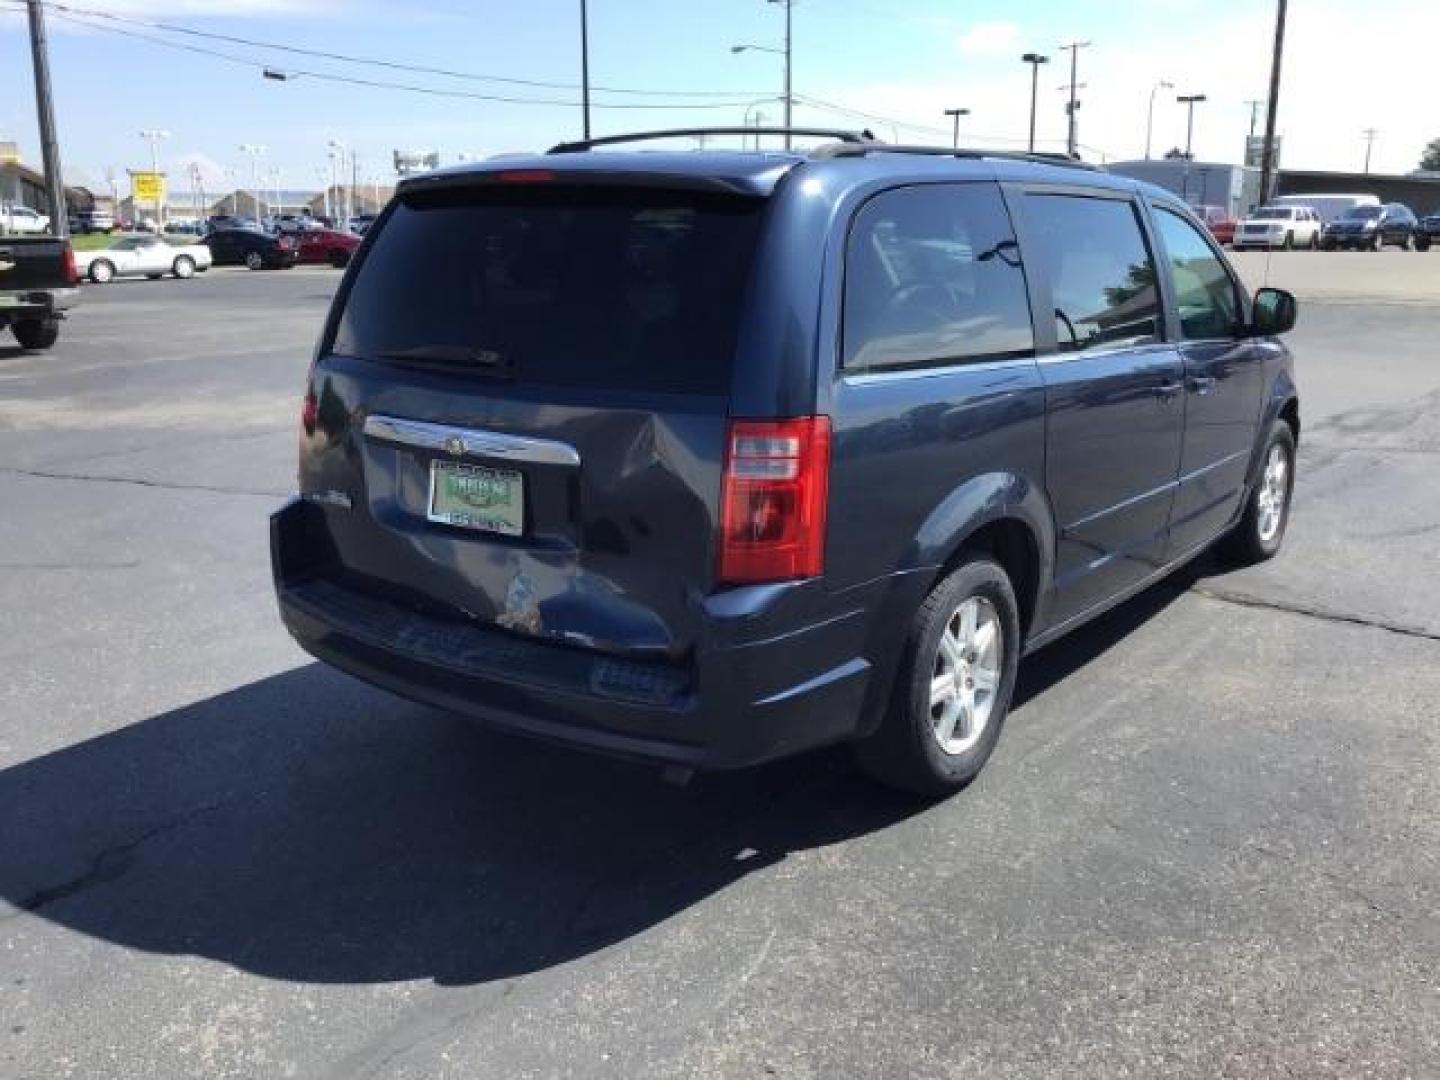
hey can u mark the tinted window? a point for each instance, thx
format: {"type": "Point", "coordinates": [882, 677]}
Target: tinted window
{"type": "Point", "coordinates": [1101, 275]}
{"type": "Point", "coordinates": [933, 277]}
{"type": "Point", "coordinates": [559, 285]}
{"type": "Point", "coordinates": [1204, 293]}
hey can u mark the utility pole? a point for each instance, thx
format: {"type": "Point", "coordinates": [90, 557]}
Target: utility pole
{"type": "Point", "coordinates": [955, 115]}
{"type": "Point", "coordinates": [1369, 134]}
{"type": "Point", "coordinates": [45, 107]}
{"type": "Point", "coordinates": [585, 67]}
{"type": "Point", "coordinates": [1074, 49]}
{"type": "Point", "coordinates": [1267, 160]}
{"type": "Point", "coordinates": [789, 99]}
{"type": "Point", "coordinates": [1034, 60]}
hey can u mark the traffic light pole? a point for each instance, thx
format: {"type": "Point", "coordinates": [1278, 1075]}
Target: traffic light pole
{"type": "Point", "coordinates": [49, 146]}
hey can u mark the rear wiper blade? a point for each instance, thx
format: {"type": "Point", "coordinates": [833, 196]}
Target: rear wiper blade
{"type": "Point", "coordinates": [487, 359]}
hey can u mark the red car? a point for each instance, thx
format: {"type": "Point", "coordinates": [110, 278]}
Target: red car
{"type": "Point", "coordinates": [1219, 222]}
{"type": "Point", "coordinates": [327, 246]}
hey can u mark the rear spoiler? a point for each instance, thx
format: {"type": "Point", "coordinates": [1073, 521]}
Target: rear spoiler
{"type": "Point", "coordinates": [757, 186]}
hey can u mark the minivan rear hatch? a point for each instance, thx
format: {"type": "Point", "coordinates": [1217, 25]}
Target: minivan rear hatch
{"type": "Point", "coordinates": [517, 416]}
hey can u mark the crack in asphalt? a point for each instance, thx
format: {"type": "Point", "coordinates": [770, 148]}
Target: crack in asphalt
{"type": "Point", "coordinates": [108, 864]}
{"type": "Point", "coordinates": [1312, 612]}
{"type": "Point", "coordinates": [164, 485]}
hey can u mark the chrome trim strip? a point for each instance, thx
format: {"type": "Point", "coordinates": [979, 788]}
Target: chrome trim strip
{"type": "Point", "coordinates": [475, 443]}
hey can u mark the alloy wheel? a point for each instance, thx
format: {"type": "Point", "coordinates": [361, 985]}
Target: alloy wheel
{"type": "Point", "coordinates": [966, 675]}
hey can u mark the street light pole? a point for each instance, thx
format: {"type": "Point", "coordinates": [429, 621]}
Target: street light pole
{"type": "Point", "coordinates": [45, 107]}
{"type": "Point", "coordinates": [1254, 104]}
{"type": "Point", "coordinates": [1150, 114]}
{"type": "Point", "coordinates": [955, 115]}
{"type": "Point", "coordinates": [153, 137]}
{"type": "Point", "coordinates": [1034, 60]}
{"type": "Point", "coordinates": [1369, 134]}
{"type": "Point", "coordinates": [1072, 136]}
{"type": "Point", "coordinates": [344, 210]}
{"type": "Point", "coordinates": [585, 67]}
{"type": "Point", "coordinates": [254, 150]}
{"type": "Point", "coordinates": [789, 101]}
{"type": "Point", "coordinates": [1189, 101]}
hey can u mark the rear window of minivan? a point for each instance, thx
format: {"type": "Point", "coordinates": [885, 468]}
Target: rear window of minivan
{"type": "Point", "coordinates": [591, 287]}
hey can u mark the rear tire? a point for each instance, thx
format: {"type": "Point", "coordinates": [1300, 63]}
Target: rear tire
{"type": "Point", "coordinates": [1289, 242]}
{"type": "Point", "coordinates": [954, 685]}
{"type": "Point", "coordinates": [36, 334]}
{"type": "Point", "coordinates": [1422, 243]}
{"type": "Point", "coordinates": [1314, 241]}
{"type": "Point", "coordinates": [255, 261]}
{"type": "Point", "coordinates": [184, 267]}
{"type": "Point", "coordinates": [1261, 529]}
{"type": "Point", "coordinates": [101, 272]}
{"type": "Point", "coordinates": [339, 259]}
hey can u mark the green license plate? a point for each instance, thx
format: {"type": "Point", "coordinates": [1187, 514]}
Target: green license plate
{"type": "Point", "coordinates": [473, 497]}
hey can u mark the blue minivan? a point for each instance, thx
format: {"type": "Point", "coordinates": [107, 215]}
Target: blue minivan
{"type": "Point", "coordinates": [711, 457]}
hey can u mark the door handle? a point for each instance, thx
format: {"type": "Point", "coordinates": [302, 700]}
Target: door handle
{"type": "Point", "coordinates": [1202, 384]}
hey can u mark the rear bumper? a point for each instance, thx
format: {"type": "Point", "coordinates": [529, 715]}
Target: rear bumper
{"type": "Point", "coordinates": [37, 304]}
{"type": "Point", "coordinates": [734, 702]}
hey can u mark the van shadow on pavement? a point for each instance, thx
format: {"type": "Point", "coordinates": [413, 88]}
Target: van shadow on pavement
{"type": "Point", "coordinates": [306, 827]}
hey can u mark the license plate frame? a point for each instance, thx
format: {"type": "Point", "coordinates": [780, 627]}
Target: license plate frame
{"type": "Point", "coordinates": [445, 506]}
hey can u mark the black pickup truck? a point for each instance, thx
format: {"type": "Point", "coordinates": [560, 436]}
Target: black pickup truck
{"type": "Point", "coordinates": [37, 285]}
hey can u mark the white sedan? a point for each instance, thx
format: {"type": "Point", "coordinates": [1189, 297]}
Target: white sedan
{"type": "Point", "coordinates": [147, 255]}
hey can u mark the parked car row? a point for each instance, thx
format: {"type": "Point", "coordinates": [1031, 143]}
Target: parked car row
{"type": "Point", "coordinates": [1356, 222]}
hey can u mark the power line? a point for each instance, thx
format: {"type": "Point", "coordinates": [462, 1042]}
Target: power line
{"type": "Point", "coordinates": [353, 80]}
{"type": "Point", "coordinates": [371, 61]}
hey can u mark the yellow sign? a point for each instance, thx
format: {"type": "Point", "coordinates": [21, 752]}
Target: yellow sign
{"type": "Point", "coordinates": [148, 187]}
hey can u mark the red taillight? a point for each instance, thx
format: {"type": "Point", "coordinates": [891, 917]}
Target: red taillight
{"type": "Point", "coordinates": [772, 512]}
{"type": "Point", "coordinates": [72, 275]}
{"type": "Point", "coordinates": [310, 411]}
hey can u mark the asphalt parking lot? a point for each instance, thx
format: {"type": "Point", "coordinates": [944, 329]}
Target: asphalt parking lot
{"type": "Point", "coordinates": [1208, 844]}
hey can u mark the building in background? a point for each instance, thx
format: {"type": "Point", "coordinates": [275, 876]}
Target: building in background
{"type": "Point", "coordinates": [1234, 188]}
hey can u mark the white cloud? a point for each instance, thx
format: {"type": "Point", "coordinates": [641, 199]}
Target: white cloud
{"type": "Point", "coordinates": [991, 38]}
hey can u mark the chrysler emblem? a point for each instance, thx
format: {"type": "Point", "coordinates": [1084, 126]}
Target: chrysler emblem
{"type": "Point", "coordinates": [455, 446]}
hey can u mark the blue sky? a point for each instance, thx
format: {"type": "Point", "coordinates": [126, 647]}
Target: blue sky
{"type": "Point", "coordinates": [905, 60]}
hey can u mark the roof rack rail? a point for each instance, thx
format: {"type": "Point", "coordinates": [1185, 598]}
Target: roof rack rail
{"type": "Point", "coordinates": [838, 134]}
{"type": "Point", "coordinates": [860, 149]}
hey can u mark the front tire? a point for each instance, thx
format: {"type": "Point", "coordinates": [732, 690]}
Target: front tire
{"type": "Point", "coordinates": [1261, 528]}
{"type": "Point", "coordinates": [953, 689]}
{"type": "Point", "coordinates": [101, 272]}
{"type": "Point", "coordinates": [1288, 243]}
{"type": "Point", "coordinates": [339, 259]}
{"type": "Point", "coordinates": [1314, 241]}
{"type": "Point", "coordinates": [1422, 243]}
{"type": "Point", "coordinates": [36, 334]}
{"type": "Point", "coordinates": [255, 261]}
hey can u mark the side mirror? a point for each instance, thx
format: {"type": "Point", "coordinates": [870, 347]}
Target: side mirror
{"type": "Point", "coordinates": [1274, 312]}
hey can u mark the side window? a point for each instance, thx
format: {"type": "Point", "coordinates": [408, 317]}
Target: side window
{"type": "Point", "coordinates": [1204, 292]}
{"type": "Point", "coordinates": [1102, 278]}
{"type": "Point", "coordinates": [933, 278]}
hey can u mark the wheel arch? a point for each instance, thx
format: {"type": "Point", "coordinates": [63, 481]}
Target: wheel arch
{"type": "Point", "coordinates": [1002, 515]}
